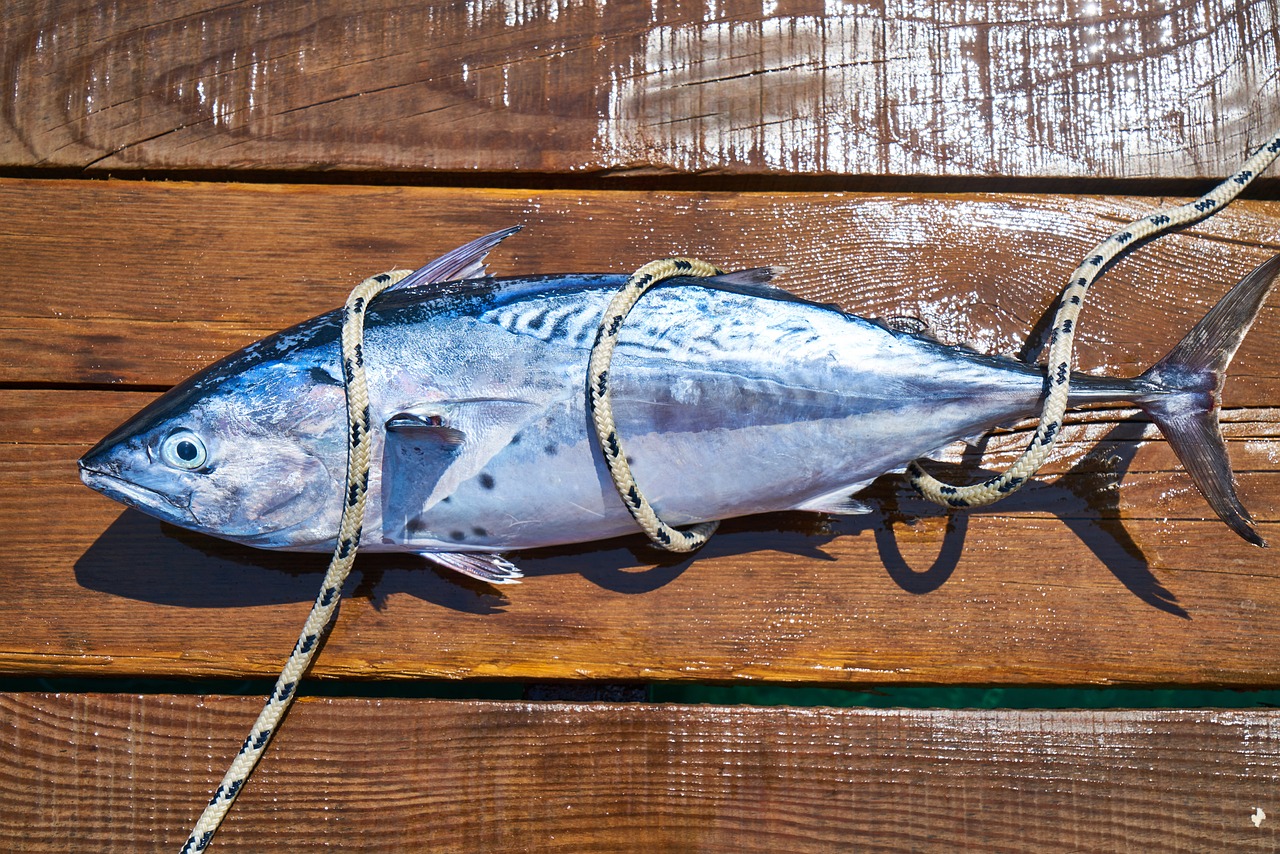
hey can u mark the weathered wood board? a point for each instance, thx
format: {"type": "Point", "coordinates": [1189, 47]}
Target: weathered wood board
{"type": "Point", "coordinates": [1017, 89]}
{"type": "Point", "coordinates": [1098, 575]}
{"type": "Point", "coordinates": [1109, 571]}
{"type": "Point", "coordinates": [126, 773]}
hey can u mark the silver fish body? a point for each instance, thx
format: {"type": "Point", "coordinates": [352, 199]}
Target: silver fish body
{"type": "Point", "coordinates": [731, 398]}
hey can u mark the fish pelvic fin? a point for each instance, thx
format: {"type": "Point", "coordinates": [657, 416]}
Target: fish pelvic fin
{"type": "Point", "coordinates": [1183, 392]}
{"type": "Point", "coordinates": [482, 566]}
{"type": "Point", "coordinates": [840, 502]}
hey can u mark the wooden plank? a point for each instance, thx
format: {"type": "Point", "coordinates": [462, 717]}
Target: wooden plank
{"type": "Point", "coordinates": [1078, 580]}
{"type": "Point", "coordinates": [130, 282]}
{"type": "Point", "coordinates": [1072, 582]}
{"type": "Point", "coordinates": [129, 773]}
{"type": "Point", "coordinates": [1017, 89]}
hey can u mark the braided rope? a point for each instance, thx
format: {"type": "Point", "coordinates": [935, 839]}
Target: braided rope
{"type": "Point", "coordinates": [1063, 336]}
{"type": "Point", "coordinates": [663, 535]}
{"type": "Point", "coordinates": [344, 555]}
{"type": "Point", "coordinates": [598, 403]}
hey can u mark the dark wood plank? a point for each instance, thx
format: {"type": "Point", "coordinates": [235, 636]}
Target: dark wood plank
{"type": "Point", "coordinates": [145, 283]}
{"type": "Point", "coordinates": [1019, 89]}
{"type": "Point", "coordinates": [129, 773]}
{"type": "Point", "coordinates": [1078, 580]}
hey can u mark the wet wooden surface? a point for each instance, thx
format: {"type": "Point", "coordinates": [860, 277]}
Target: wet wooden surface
{"type": "Point", "coordinates": [1108, 571]}
{"type": "Point", "coordinates": [1071, 88]}
{"type": "Point", "coordinates": [142, 283]}
{"type": "Point", "coordinates": [483, 777]}
{"type": "Point", "coordinates": [1079, 580]}
{"type": "Point", "coordinates": [1095, 575]}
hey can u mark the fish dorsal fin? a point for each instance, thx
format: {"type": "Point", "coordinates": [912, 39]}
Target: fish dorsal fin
{"type": "Point", "coordinates": [758, 281]}
{"type": "Point", "coordinates": [905, 324]}
{"type": "Point", "coordinates": [754, 281]}
{"type": "Point", "coordinates": [490, 568]}
{"type": "Point", "coordinates": [465, 262]}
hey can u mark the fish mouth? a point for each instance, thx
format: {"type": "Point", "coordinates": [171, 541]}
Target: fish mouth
{"type": "Point", "coordinates": [136, 496]}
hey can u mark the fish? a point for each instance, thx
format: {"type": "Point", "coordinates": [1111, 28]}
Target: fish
{"type": "Point", "coordinates": [734, 397]}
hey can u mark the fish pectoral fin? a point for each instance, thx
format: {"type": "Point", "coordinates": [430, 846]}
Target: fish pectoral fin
{"type": "Point", "coordinates": [465, 262]}
{"type": "Point", "coordinates": [839, 502]}
{"type": "Point", "coordinates": [490, 568]}
{"type": "Point", "coordinates": [425, 423]}
{"type": "Point", "coordinates": [434, 447]}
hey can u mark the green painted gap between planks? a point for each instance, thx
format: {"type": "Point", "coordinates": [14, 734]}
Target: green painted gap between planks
{"type": "Point", "coordinates": [904, 697]}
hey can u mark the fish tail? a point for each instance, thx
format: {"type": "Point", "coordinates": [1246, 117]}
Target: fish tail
{"type": "Point", "coordinates": [1183, 392]}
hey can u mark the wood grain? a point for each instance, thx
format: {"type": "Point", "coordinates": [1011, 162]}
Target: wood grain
{"type": "Point", "coordinates": [131, 282]}
{"type": "Point", "coordinates": [1106, 572]}
{"type": "Point", "coordinates": [1013, 89]}
{"type": "Point", "coordinates": [129, 773]}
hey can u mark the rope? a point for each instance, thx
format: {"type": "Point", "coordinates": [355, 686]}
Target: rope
{"type": "Point", "coordinates": [344, 555]}
{"type": "Point", "coordinates": [1061, 342]}
{"type": "Point", "coordinates": [1063, 336]}
{"type": "Point", "coordinates": [598, 403]}
{"type": "Point", "coordinates": [664, 536]}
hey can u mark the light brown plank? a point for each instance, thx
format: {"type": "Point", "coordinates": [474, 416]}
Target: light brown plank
{"type": "Point", "coordinates": [1071, 582]}
{"type": "Point", "coordinates": [1020, 89]}
{"type": "Point", "coordinates": [128, 773]}
{"type": "Point", "coordinates": [1078, 580]}
{"type": "Point", "coordinates": [145, 283]}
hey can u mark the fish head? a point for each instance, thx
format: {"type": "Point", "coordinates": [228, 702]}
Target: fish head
{"type": "Point", "coordinates": [251, 449]}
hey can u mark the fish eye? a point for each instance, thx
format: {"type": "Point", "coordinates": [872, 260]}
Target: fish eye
{"type": "Point", "coordinates": [184, 450]}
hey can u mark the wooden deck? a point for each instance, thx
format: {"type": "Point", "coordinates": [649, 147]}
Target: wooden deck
{"type": "Point", "coordinates": [952, 165]}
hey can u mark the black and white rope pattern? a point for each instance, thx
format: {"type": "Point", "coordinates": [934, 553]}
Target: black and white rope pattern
{"type": "Point", "coordinates": [663, 535]}
{"type": "Point", "coordinates": [344, 555]}
{"type": "Point", "coordinates": [647, 277]}
{"type": "Point", "coordinates": [1064, 329]}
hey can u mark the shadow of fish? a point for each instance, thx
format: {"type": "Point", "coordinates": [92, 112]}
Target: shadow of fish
{"type": "Point", "coordinates": [734, 398]}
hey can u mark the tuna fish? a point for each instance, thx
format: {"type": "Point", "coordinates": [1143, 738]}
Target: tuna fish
{"type": "Point", "coordinates": [733, 397]}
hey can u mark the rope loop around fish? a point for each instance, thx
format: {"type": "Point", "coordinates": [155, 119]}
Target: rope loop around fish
{"type": "Point", "coordinates": [344, 555]}
{"type": "Point", "coordinates": [662, 535]}
{"type": "Point", "coordinates": [1063, 335]}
